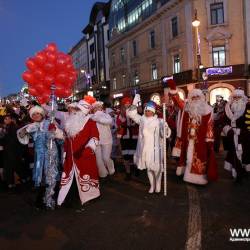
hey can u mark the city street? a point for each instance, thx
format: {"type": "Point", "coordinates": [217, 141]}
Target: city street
{"type": "Point", "coordinates": [127, 217]}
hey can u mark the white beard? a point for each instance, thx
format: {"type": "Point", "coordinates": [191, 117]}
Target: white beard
{"type": "Point", "coordinates": [197, 109]}
{"type": "Point", "coordinates": [238, 107]}
{"type": "Point", "coordinates": [74, 123]}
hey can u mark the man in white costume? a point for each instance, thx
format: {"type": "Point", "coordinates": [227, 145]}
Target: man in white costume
{"type": "Point", "coordinates": [149, 151]}
{"type": "Point", "coordinates": [103, 151]}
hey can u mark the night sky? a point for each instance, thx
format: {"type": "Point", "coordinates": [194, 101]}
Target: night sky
{"type": "Point", "coordinates": [26, 26]}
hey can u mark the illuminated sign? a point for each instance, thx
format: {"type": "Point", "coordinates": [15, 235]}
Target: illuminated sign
{"type": "Point", "coordinates": [118, 95]}
{"type": "Point", "coordinates": [219, 71]}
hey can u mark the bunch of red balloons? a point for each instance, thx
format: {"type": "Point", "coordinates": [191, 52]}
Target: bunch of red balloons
{"type": "Point", "coordinates": [48, 67]}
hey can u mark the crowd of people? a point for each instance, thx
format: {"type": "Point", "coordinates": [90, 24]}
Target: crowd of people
{"type": "Point", "coordinates": [77, 143]}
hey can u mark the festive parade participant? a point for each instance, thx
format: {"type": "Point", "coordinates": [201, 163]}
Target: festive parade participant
{"type": "Point", "coordinates": [45, 172]}
{"type": "Point", "coordinates": [80, 160]}
{"type": "Point", "coordinates": [237, 131]}
{"type": "Point", "coordinates": [149, 151]}
{"type": "Point", "coordinates": [12, 151]}
{"type": "Point", "coordinates": [103, 151]}
{"type": "Point", "coordinates": [218, 116]}
{"type": "Point", "coordinates": [127, 132]}
{"type": "Point", "coordinates": [194, 144]}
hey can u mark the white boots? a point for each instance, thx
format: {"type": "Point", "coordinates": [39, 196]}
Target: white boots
{"type": "Point", "coordinates": [155, 181]}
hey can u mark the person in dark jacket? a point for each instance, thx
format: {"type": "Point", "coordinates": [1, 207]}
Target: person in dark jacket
{"type": "Point", "coordinates": [12, 150]}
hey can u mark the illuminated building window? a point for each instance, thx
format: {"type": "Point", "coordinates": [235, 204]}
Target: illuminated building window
{"type": "Point", "coordinates": [114, 83]}
{"type": "Point", "coordinates": [154, 75]}
{"type": "Point", "coordinates": [219, 56]}
{"type": "Point", "coordinates": [176, 64]}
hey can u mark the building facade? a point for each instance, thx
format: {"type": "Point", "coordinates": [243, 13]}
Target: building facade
{"type": "Point", "coordinates": [155, 40]}
{"type": "Point", "coordinates": [97, 37]}
{"type": "Point", "coordinates": [79, 55]}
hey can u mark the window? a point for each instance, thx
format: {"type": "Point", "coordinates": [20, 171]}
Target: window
{"type": "Point", "coordinates": [177, 64]}
{"type": "Point", "coordinates": [123, 80]}
{"type": "Point", "coordinates": [122, 55]}
{"type": "Point", "coordinates": [92, 64]}
{"type": "Point", "coordinates": [108, 35]}
{"type": "Point", "coordinates": [154, 72]}
{"type": "Point", "coordinates": [152, 39]}
{"type": "Point", "coordinates": [136, 78]}
{"type": "Point", "coordinates": [114, 83]}
{"type": "Point", "coordinates": [217, 13]}
{"type": "Point", "coordinates": [113, 58]}
{"type": "Point", "coordinates": [134, 48]}
{"type": "Point", "coordinates": [174, 27]}
{"type": "Point", "coordinates": [219, 56]}
{"type": "Point", "coordinates": [92, 48]}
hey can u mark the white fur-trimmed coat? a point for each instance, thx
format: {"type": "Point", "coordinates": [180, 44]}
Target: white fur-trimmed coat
{"type": "Point", "coordinates": [149, 150]}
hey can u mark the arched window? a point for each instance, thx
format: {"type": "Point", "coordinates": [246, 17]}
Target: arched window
{"type": "Point", "coordinates": [222, 91]}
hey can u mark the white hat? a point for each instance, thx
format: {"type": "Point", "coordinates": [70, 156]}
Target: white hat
{"type": "Point", "coordinates": [97, 104]}
{"type": "Point", "coordinates": [238, 92]}
{"type": "Point", "coordinates": [109, 110]}
{"type": "Point", "coordinates": [36, 109]}
{"type": "Point", "coordinates": [84, 106]}
{"type": "Point", "coordinates": [195, 92]}
{"type": "Point", "coordinates": [73, 105]}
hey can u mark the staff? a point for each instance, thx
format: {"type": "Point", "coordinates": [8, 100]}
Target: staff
{"type": "Point", "coordinates": [164, 150]}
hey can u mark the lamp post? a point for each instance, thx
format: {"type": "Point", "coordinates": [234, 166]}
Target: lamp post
{"type": "Point", "coordinates": [196, 24]}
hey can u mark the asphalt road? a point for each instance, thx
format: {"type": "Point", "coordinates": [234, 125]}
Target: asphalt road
{"type": "Point", "coordinates": [127, 217]}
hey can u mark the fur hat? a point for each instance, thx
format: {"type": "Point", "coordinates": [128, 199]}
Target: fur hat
{"type": "Point", "coordinates": [195, 92]}
{"type": "Point", "coordinates": [85, 104]}
{"type": "Point", "coordinates": [126, 101]}
{"type": "Point", "coordinates": [36, 109]}
{"type": "Point", "coordinates": [150, 106]}
{"type": "Point", "coordinates": [97, 104]}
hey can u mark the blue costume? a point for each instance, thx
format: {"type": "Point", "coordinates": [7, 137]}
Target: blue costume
{"type": "Point", "coordinates": [46, 160]}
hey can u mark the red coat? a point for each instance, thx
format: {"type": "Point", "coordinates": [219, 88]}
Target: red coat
{"type": "Point", "coordinates": [81, 161]}
{"type": "Point", "coordinates": [197, 158]}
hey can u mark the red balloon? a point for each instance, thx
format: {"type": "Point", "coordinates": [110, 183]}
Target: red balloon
{"type": "Point", "coordinates": [48, 80]}
{"type": "Point", "coordinates": [40, 58]}
{"type": "Point", "coordinates": [61, 78]}
{"type": "Point", "coordinates": [51, 47]}
{"type": "Point", "coordinates": [49, 67]}
{"type": "Point", "coordinates": [69, 67]}
{"type": "Point", "coordinates": [28, 77]}
{"type": "Point", "coordinates": [33, 91]}
{"type": "Point", "coordinates": [69, 59]}
{"type": "Point", "coordinates": [39, 74]}
{"type": "Point", "coordinates": [30, 63]}
{"type": "Point", "coordinates": [61, 63]}
{"type": "Point", "coordinates": [51, 56]}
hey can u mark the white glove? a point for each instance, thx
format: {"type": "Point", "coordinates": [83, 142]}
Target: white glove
{"type": "Point", "coordinates": [33, 127]}
{"type": "Point", "coordinates": [137, 99]}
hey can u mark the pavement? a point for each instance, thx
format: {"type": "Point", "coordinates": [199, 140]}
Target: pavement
{"type": "Point", "coordinates": [127, 217]}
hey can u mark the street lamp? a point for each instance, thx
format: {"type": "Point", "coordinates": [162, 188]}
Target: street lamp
{"type": "Point", "coordinates": [196, 24]}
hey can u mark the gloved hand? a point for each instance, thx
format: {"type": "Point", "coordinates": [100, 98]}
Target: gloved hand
{"type": "Point", "coordinates": [137, 99]}
{"type": "Point", "coordinates": [171, 84]}
{"type": "Point", "coordinates": [33, 127]}
{"type": "Point", "coordinates": [52, 127]}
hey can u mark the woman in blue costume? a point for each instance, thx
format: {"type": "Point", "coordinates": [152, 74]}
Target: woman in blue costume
{"type": "Point", "coordinates": [45, 136]}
